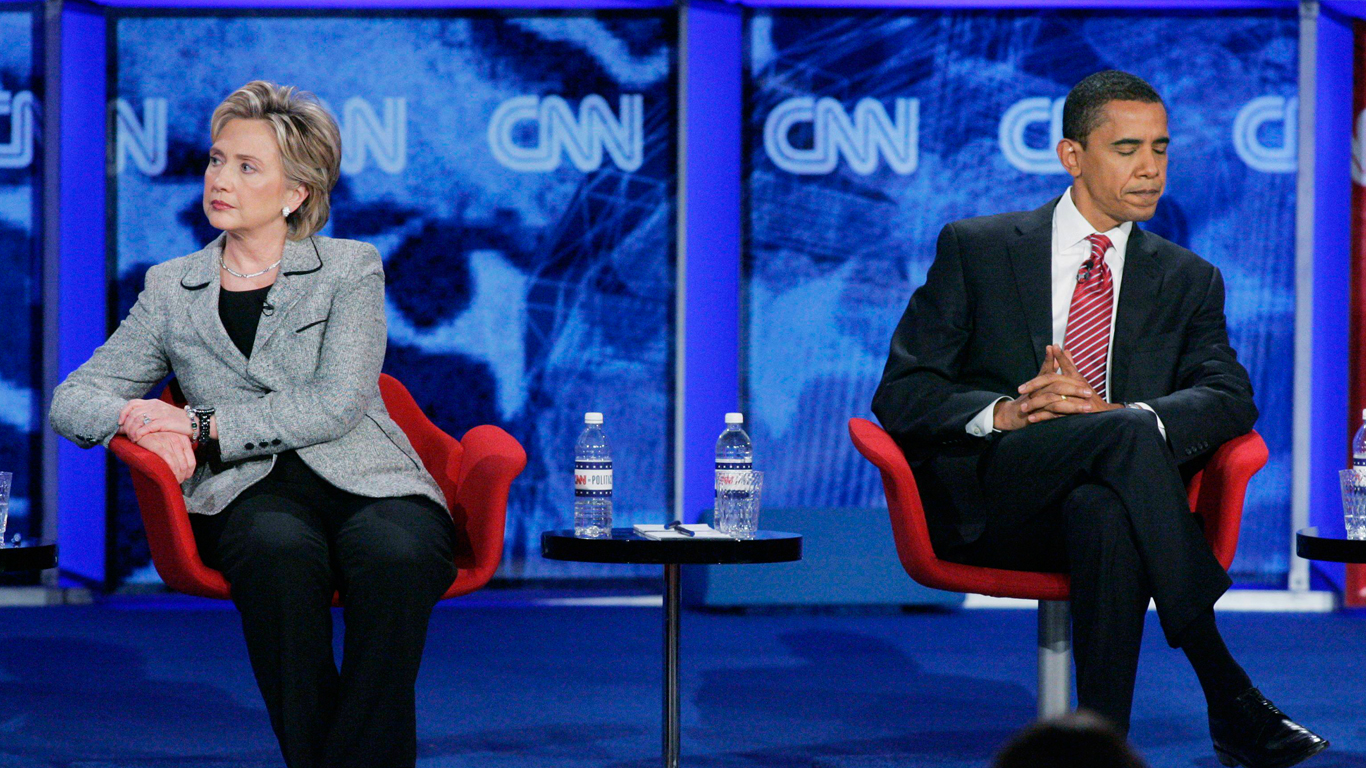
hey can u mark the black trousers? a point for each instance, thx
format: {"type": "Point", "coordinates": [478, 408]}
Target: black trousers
{"type": "Point", "coordinates": [1099, 496]}
{"type": "Point", "coordinates": [285, 545]}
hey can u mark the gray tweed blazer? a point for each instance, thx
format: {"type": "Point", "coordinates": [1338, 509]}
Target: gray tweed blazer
{"type": "Point", "coordinates": [312, 383]}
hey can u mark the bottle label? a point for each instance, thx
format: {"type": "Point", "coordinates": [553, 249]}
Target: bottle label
{"type": "Point", "coordinates": [733, 475]}
{"type": "Point", "coordinates": [593, 478]}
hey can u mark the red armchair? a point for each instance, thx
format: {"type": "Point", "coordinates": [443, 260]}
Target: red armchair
{"type": "Point", "coordinates": [475, 474]}
{"type": "Point", "coordinates": [1216, 494]}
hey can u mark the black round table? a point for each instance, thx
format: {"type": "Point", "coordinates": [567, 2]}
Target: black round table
{"type": "Point", "coordinates": [627, 546]}
{"type": "Point", "coordinates": [1311, 546]}
{"type": "Point", "coordinates": [26, 557]}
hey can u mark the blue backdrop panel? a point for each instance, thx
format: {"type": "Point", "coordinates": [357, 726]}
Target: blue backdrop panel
{"type": "Point", "coordinates": [20, 240]}
{"type": "Point", "coordinates": [868, 131]}
{"type": "Point", "coordinates": [516, 171]}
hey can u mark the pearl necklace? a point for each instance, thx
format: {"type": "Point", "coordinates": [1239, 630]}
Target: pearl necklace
{"type": "Point", "coordinates": [224, 264]}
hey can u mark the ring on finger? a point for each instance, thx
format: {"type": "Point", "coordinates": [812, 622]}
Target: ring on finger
{"type": "Point", "coordinates": [1063, 397]}
{"type": "Point", "coordinates": [146, 420]}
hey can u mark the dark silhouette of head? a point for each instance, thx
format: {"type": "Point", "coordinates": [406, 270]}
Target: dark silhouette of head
{"type": "Point", "coordinates": [1077, 740]}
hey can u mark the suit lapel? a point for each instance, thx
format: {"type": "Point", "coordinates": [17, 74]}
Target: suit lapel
{"type": "Point", "coordinates": [1031, 261]}
{"type": "Point", "coordinates": [1137, 297]}
{"type": "Point", "coordinates": [202, 284]}
{"type": "Point", "coordinates": [298, 267]}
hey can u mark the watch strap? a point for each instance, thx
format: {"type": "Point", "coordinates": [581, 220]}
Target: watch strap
{"type": "Point", "coordinates": [201, 414]}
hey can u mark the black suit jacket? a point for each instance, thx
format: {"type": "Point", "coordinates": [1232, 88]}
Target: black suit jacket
{"type": "Point", "coordinates": [978, 327]}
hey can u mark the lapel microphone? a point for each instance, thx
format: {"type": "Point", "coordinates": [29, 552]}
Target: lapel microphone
{"type": "Point", "coordinates": [1086, 273]}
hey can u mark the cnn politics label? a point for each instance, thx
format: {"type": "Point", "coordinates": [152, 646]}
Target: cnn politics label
{"type": "Point", "coordinates": [733, 475]}
{"type": "Point", "coordinates": [593, 478]}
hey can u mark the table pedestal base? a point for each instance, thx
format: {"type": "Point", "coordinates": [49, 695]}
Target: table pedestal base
{"type": "Point", "coordinates": [627, 546]}
{"type": "Point", "coordinates": [671, 611]}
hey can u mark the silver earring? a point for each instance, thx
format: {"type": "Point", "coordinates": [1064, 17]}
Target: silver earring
{"type": "Point", "coordinates": [285, 211]}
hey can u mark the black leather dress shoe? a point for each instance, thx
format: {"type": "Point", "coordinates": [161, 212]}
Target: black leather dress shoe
{"type": "Point", "coordinates": [1256, 734]}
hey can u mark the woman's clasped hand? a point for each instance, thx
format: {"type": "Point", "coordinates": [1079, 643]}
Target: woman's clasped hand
{"type": "Point", "coordinates": [162, 429]}
{"type": "Point", "coordinates": [176, 450]}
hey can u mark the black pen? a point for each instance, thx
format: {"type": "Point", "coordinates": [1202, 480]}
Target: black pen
{"type": "Point", "coordinates": [678, 526]}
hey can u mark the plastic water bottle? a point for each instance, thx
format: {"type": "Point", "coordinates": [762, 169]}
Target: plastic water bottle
{"type": "Point", "coordinates": [592, 481]}
{"type": "Point", "coordinates": [1359, 444]}
{"type": "Point", "coordinates": [1354, 487]}
{"type": "Point", "coordinates": [734, 456]}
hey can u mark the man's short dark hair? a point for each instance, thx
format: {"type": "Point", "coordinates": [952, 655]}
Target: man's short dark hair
{"type": "Point", "coordinates": [1083, 110]}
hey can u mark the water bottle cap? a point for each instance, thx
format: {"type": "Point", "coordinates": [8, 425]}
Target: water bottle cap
{"type": "Point", "coordinates": [592, 418]}
{"type": "Point", "coordinates": [735, 418]}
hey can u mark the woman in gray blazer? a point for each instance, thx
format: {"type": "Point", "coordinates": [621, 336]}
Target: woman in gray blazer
{"type": "Point", "coordinates": [297, 480]}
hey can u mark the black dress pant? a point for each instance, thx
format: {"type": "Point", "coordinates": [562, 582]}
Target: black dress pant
{"type": "Point", "coordinates": [284, 546]}
{"type": "Point", "coordinates": [1099, 496]}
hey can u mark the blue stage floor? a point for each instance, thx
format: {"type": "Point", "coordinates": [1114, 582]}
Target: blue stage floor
{"type": "Point", "coordinates": [507, 683]}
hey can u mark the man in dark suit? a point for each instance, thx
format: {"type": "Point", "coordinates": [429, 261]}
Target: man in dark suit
{"type": "Point", "coordinates": [1049, 381]}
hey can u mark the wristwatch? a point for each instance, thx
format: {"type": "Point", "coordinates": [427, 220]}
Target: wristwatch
{"type": "Point", "coordinates": [199, 422]}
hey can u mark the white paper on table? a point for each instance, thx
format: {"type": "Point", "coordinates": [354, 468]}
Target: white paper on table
{"type": "Point", "coordinates": [700, 531]}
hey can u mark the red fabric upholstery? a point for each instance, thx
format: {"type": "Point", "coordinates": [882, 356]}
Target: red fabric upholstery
{"type": "Point", "coordinates": [475, 474]}
{"type": "Point", "coordinates": [1216, 494]}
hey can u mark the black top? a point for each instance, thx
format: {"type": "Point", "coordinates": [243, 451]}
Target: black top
{"type": "Point", "coordinates": [627, 546]}
{"type": "Point", "coordinates": [240, 312]}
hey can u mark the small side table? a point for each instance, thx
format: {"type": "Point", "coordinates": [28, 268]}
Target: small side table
{"type": "Point", "coordinates": [1311, 546]}
{"type": "Point", "coordinates": [626, 546]}
{"type": "Point", "coordinates": [26, 557]}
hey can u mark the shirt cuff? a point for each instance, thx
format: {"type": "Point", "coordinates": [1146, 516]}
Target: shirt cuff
{"type": "Point", "coordinates": [1160, 426]}
{"type": "Point", "coordinates": [984, 423]}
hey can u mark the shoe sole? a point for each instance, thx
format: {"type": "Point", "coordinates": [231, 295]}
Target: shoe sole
{"type": "Point", "coordinates": [1231, 760]}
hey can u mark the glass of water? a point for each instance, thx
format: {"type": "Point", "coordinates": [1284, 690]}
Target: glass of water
{"type": "Point", "coordinates": [1354, 501]}
{"type": "Point", "coordinates": [738, 512]}
{"type": "Point", "coordinates": [5, 478]}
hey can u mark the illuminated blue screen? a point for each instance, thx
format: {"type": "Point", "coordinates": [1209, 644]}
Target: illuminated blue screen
{"type": "Point", "coordinates": [20, 240]}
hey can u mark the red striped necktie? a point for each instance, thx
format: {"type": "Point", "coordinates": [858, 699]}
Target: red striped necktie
{"type": "Point", "coordinates": [1088, 321]}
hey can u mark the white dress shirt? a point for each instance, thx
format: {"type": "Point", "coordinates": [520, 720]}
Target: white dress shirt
{"type": "Point", "coordinates": [1070, 250]}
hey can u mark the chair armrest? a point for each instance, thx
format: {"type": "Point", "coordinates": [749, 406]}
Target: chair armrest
{"type": "Point", "coordinates": [1222, 489]}
{"type": "Point", "coordinates": [167, 523]}
{"type": "Point", "coordinates": [912, 534]}
{"type": "Point", "coordinates": [441, 456]}
{"type": "Point", "coordinates": [490, 460]}
{"type": "Point", "coordinates": [909, 530]}
{"type": "Point", "coordinates": [440, 453]}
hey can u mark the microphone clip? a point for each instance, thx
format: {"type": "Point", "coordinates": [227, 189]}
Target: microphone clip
{"type": "Point", "coordinates": [1086, 271]}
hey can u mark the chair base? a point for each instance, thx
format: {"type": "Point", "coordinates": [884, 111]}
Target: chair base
{"type": "Point", "coordinates": [1055, 659]}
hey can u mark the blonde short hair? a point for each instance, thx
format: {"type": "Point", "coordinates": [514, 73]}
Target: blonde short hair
{"type": "Point", "coordinates": [308, 138]}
